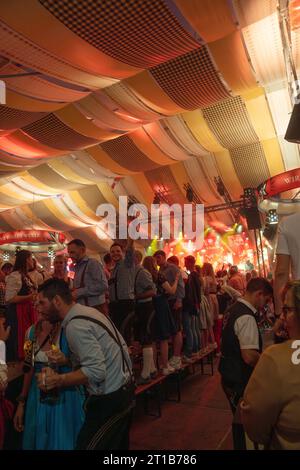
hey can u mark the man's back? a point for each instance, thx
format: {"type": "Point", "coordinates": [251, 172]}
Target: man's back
{"type": "Point", "coordinates": [170, 271]}
{"type": "Point", "coordinates": [98, 354]}
{"type": "Point", "coordinates": [240, 327]}
{"type": "Point", "coordinates": [289, 241]}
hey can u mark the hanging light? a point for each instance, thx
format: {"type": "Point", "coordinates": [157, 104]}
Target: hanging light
{"type": "Point", "coordinates": [6, 256]}
{"type": "Point", "coordinates": [156, 199]}
{"type": "Point", "coordinates": [293, 130]}
{"type": "Point", "coordinates": [51, 252]}
{"type": "Point", "coordinates": [189, 193]}
{"type": "Point", "coordinates": [272, 217]}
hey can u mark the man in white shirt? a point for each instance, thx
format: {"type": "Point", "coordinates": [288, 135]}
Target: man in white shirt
{"type": "Point", "coordinates": [242, 346]}
{"type": "Point", "coordinates": [4, 333]}
{"type": "Point", "coordinates": [287, 256]}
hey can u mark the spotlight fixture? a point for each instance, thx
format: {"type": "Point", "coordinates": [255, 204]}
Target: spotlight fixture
{"type": "Point", "coordinates": [220, 187]}
{"type": "Point", "coordinates": [189, 193]}
{"type": "Point", "coordinates": [272, 217]}
{"type": "Point", "coordinates": [293, 130]}
{"type": "Point", "coordinates": [156, 199]}
{"type": "Point", "coordinates": [239, 228]}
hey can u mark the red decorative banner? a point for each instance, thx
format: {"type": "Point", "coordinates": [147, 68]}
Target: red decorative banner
{"type": "Point", "coordinates": [31, 236]}
{"type": "Point", "coordinates": [280, 183]}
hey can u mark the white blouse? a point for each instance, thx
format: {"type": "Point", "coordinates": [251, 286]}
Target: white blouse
{"type": "Point", "coordinates": [13, 285]}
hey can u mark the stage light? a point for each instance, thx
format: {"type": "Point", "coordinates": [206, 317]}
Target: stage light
{"type": "Point", "coordinates": [221, 187]}
{"type": "Point", "coordinates": [239, 228]}
{"type": "Point", "coordinates": [156, 199]}
{"type": "Point", "coordinates": [272, 217]}
{"type": "Point", "coordinates": [189, 194]}
{"type": "Point", "coordinates": [293, 129]}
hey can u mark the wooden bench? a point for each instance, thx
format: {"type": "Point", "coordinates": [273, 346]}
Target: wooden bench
{"type": "Point", "coordinates": [186, 366]}
{"type": "Point", "coordinates": [151, 390]}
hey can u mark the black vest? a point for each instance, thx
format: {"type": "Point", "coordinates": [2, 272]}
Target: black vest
{"type": "Point", "coordinates": [234, 371]}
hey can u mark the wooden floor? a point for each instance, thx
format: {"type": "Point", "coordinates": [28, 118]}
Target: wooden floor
{"type": "Point", "coordinates": [201, 421]}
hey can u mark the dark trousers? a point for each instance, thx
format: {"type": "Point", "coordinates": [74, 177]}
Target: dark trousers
{"type": "Point", "coordinates": [122, 314]}
{"type": "Point", "coordinates": [107, 421]}
{"type": "Point", "coordinates": [234, 393]}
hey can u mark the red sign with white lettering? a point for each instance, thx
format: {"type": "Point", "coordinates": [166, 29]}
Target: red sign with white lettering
{"type": "Point", "coordinates": [280, 183]}
{"type": "Point", "coordinates": [31, 236]}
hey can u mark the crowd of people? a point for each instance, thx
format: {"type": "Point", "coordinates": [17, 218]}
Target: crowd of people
{"type": "Point", "coordinates": [170, 314]}
{"type": "Point", "coordinates": [76, 337]}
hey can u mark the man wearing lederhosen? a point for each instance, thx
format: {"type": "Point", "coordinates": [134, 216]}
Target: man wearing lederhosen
{"type": "Point", "coordinates": [101, 363]}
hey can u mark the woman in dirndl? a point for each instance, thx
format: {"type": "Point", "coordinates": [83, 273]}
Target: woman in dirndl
{"type": "Point", "coordinates": [20, 313]}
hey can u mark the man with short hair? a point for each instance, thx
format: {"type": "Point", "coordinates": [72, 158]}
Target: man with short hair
{"type": "Point", "coordinates": [287, 256]}
{"type": "Point", "coordinates": [170, 271]}
{"type": "Point", "coordinates": [90, 283]}
{"type": "Point", "coordinates": [121, 288]}
{"type": "Point", "coordinates": [191, 307]}
{"type": "Point", "coordinates": [241, 347]}
{"type": "Point", "coordinates": [236, 280]}
{"type": "Point", "coordinates": [100, 362]}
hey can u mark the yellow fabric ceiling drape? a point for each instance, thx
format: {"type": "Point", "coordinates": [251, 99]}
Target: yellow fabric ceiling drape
{"type": "Point", "coordinates": [106, 161]}
{"type": "Point", "coordinates": [230, 57]}
{"type": "Point", "coordinates": [201, 131]}
{"type": "Point", "coordinates": [273, 156]}
{"type": "Point", "coordinates": [206, 16]}
{"type": "Point", "coordinates": [146, 88]}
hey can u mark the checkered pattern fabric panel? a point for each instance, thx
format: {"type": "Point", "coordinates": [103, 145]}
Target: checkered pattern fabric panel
{"type": "Point", "coordinates": [123, 151]}
{"type": "Point", "coordinates": [14, 118]}
{"type": "Point", "coordinates": [162, 181]}
{"type": "Point", "coordinates": [142, 33]}
{"type": "Point", "coordinates": [230, 123]}
{"type": "Point", "coordinates": [191, 80]}
{"type": "Point", "coordinates": [54, 133]}
{"type": "Point", "coordinates": [250, 164]}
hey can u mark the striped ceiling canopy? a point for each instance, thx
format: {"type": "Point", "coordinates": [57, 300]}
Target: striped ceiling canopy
{"type": "Point", "coordinates": [129, 97]}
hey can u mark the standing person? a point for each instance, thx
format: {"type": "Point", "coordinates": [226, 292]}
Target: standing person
{"type": "Point", "coordinates": [90, 282]}
{"type": "Point", "coordinates": [121, 288]}
{"type": "Point", "coordinates": [205, 320]}
{"type": "Point", "coordinates": [6, 408]}
{"type": "Point", "coordinates": [5, 270]}
{"type": "Point", "coordinates": [191, 308]}
{"type": "Point", "coordinates": [51, 423]}
{"type": "Point", "coordinates": [20, 295]}
{"type": "Point", "coordinates": [100, 362]}
{"type": "Point", "coordinates": [287, 257]}
{"type": "Point", "coordinates": [236, 280]}
{"type": "Point", "coordinates": [241, 347]}
{"type": "Point", "coordinates": [2, 293]}
{"type": "Point", "coordinates": [35, 275]}
{"type": "Point", "coordinates": [210, 290]}
{"type": "Point", "coordinates": [170, 272]}
{"type": "Point", "coordinates": [145, 290]}
{"type": "Point", "coordinates": [108, 265]}
{"type": "Point", "coordinates": [271, 404]}
{"type": "Point", "coordinates": [4, 333]}
{"type": "Point", "coordinates": [164, 320]}
{"type": "Point", "coordinates": [60, 269]}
